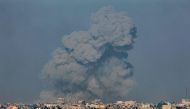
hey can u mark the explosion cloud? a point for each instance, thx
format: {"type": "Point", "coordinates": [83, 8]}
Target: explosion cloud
{"type": "Point", "coordinates": [93, 63]}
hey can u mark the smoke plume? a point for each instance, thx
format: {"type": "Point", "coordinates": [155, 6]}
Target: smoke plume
{"type": "Point", "coordinates": [93, 63]}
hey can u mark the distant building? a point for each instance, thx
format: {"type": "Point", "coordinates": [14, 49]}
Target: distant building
{"type": "Point", "coordinates": [96, 104]}
{"type": "Point", "coordinates": [12, 107]}
{"type": "Point", "coordinates": [76, 106]}
{"type": "Point", "coordinates": [186, 102]}
{"type": "Point", "coordinates": [164, 105]}
{"type": "Point", "coordinates": [130, 103]}
{"type": "Point", "coordinates": [145, 106]}
{"type": "Point", "coordinates": [50, 106]}
{"type": "Point", "coordinates": [168, 106]}
{"type": "Point", "coordinates": [60, 101]}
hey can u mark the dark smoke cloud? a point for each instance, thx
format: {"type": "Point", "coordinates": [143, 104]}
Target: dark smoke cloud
{"type": "Point", "coordinates": [93, 63]}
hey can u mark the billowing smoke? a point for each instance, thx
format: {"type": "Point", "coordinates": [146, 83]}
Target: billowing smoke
{"type": "Point", "coordinates": [93, 63]}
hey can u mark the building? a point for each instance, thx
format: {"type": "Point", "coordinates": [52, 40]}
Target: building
{"type": "Point", "coordinates": [146, 106]}
{"type": "Point", "coordinates": [186, 102]}
{"type": "Point", "coordinates": [168, 106]}
{"type": "Point", "coordinates": [12, 107]}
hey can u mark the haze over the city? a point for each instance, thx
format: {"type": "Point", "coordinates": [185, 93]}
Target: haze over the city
{"type": "Point", "coordinates": [31, 30]}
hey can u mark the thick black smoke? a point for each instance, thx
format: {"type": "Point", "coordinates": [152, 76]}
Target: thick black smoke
{"type": "Point", "coordinates": [93, 63]}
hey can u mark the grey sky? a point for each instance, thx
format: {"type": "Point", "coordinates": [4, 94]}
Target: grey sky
{"type": "Point", "coordinates": [31, 29]}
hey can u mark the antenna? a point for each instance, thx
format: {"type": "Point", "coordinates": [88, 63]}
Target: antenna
{"type": "Point", "coordinates": [186, 93]}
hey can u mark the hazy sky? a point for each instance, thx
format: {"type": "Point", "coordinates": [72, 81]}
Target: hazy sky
{"type": "Point", "coordinates": [31, 29]}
